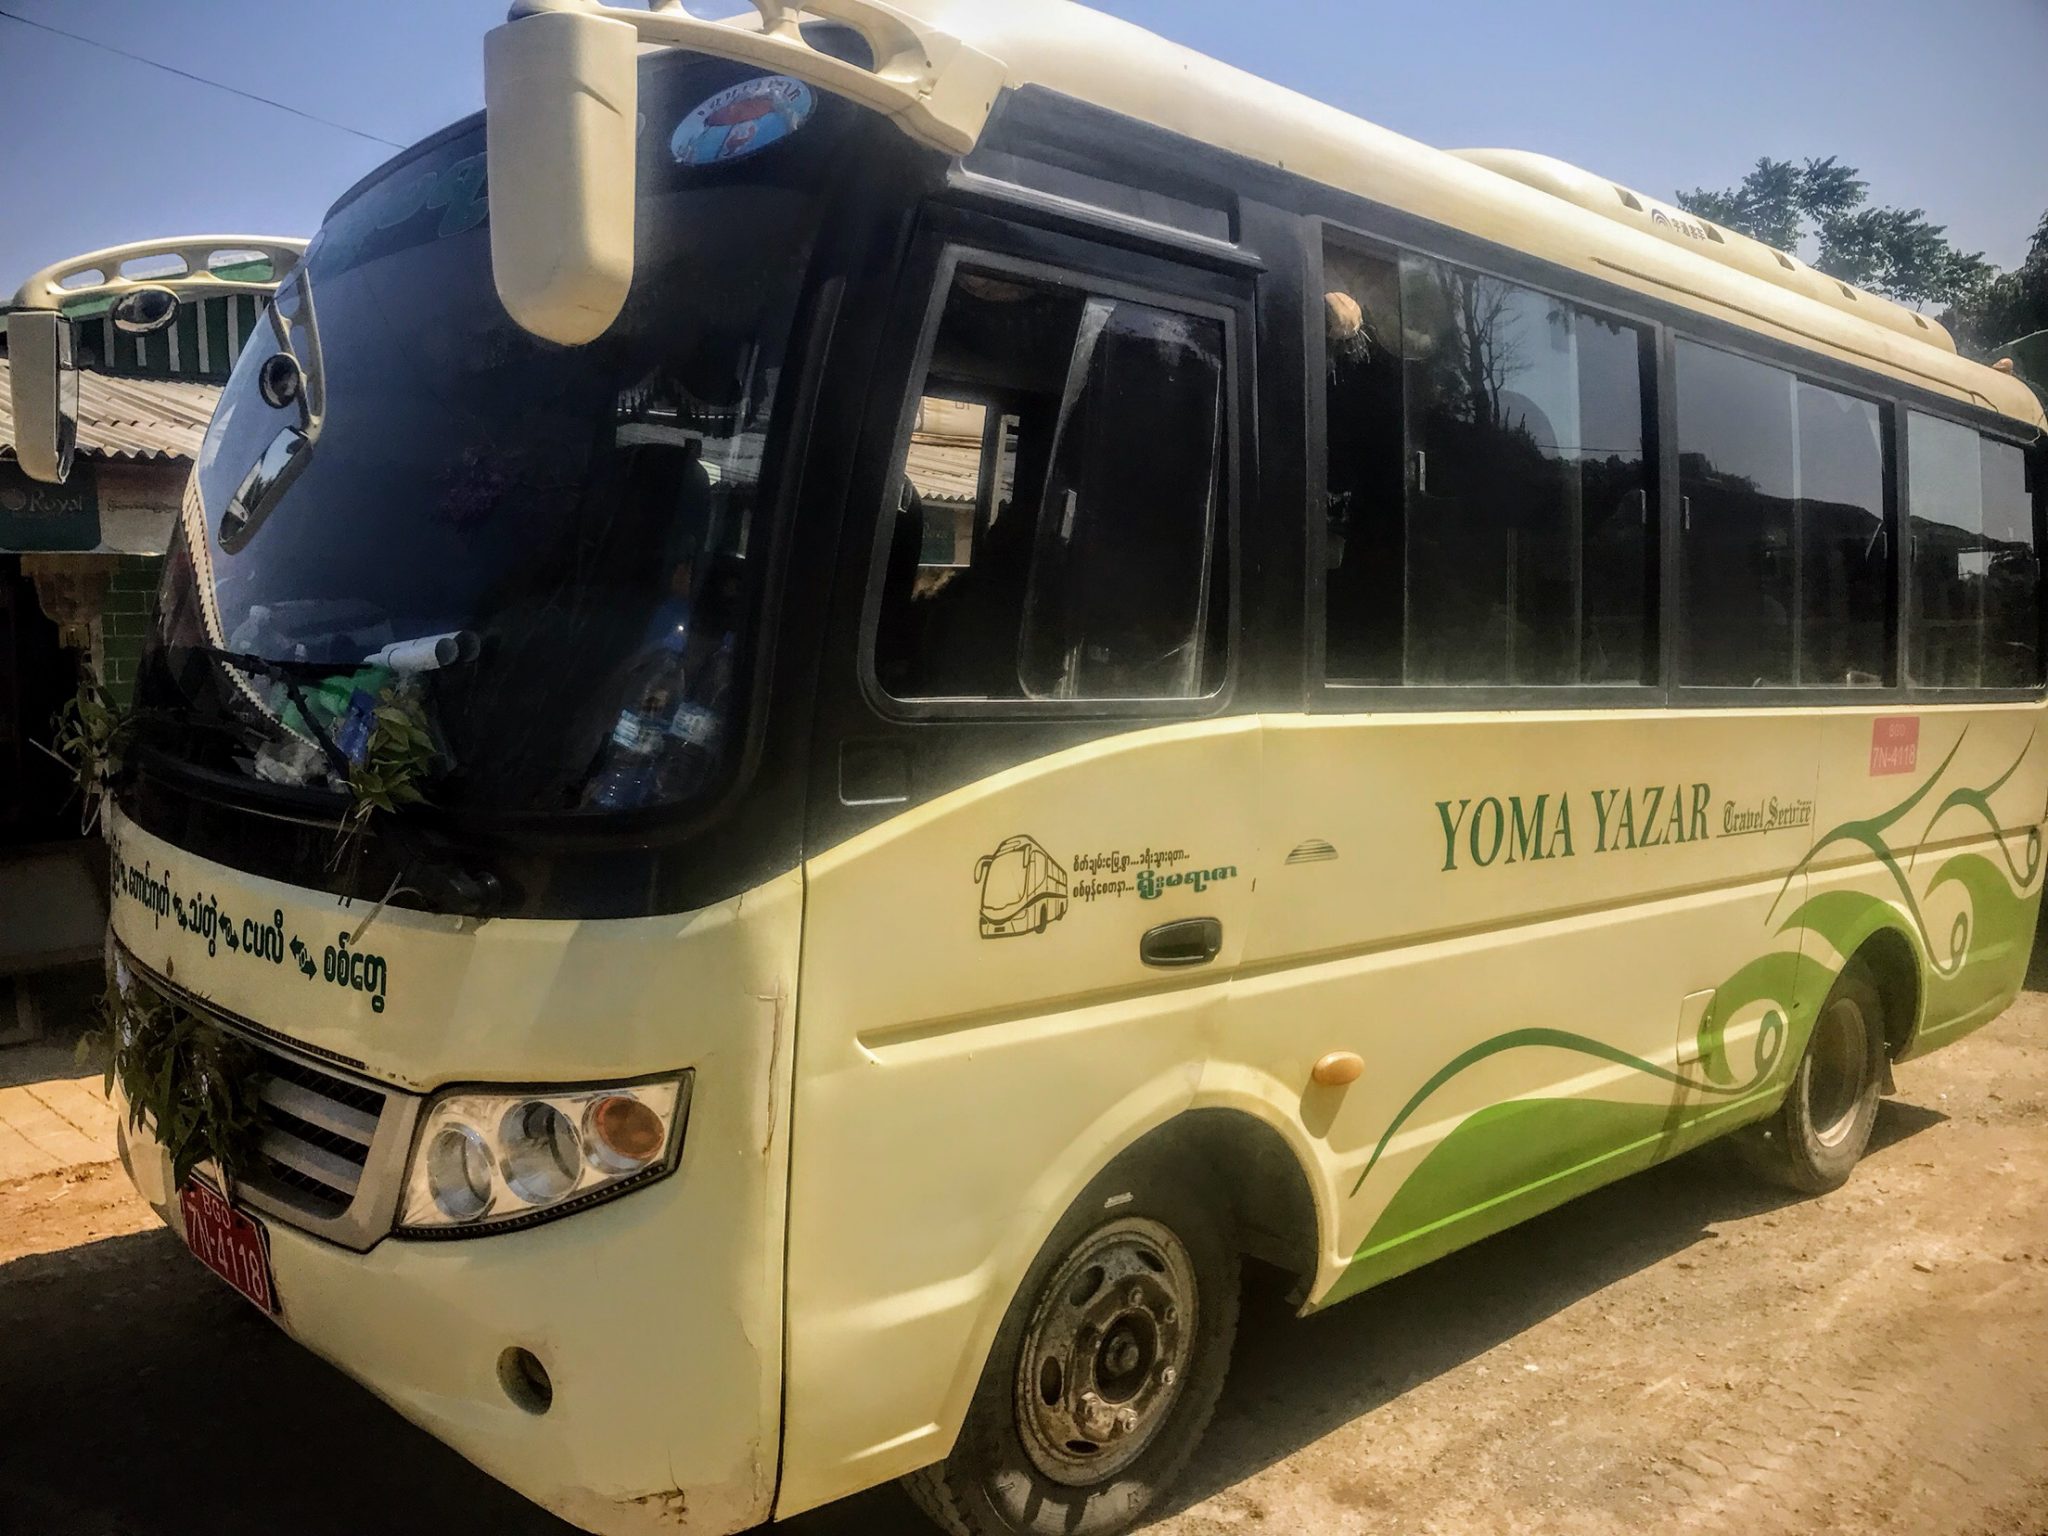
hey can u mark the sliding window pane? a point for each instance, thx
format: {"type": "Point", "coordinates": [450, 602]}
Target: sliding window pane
{"type": "Point", "coordinates": [1527, 489]}
{"type": "Point", "coordinates": [1845, 580]}
{"type": "Point", "coordinates": [1950, 561]}
{"type": "Point", "coordinates": [1365, 516]}
{"type": "Point", "coordinates": [2012, 577]}
{"type": "Point", "coordinates": [1618, 638]}
{"type": "Point", "coordinates": [1738, 473]}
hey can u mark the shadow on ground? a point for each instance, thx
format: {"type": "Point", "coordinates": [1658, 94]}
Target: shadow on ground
{"type": "Point", "coordinates": [138, 1397]}
{"type": "Point", "coordinates": [1295, 1380]}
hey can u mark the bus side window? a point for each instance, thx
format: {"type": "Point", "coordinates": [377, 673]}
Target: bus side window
{"type": "Point", "coordinates": [1488, 514]}
{"type": "Point", "coordinates": [1976, 617]}
{"type": "Point", "coordinates": [1364, 513]}
{"type": "Point", "coordinates": [1058, 532]}
{"type": "Point", "coordinates": [1787, 566]}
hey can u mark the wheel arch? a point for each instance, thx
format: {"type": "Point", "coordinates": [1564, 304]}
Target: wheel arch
{"type": "Point", "coordinates": [1271, 1200]}
{"type": "Point", "coordinates": [1892, 961]}
{"type": "Point", "coordinates": [1262, 1165]}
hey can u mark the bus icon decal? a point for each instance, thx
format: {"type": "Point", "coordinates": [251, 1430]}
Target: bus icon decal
{"type": "Point", "coordinates": [1023, 888]}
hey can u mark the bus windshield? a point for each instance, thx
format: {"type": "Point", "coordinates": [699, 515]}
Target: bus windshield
{"type": "Point", "coordinates": [550, 552]}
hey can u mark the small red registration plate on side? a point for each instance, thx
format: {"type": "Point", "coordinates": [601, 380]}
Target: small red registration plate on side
{"type": "Point", "coordinates": [230, 1244]}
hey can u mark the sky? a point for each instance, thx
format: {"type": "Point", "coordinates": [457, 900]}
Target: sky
{"type": "Point", "coordinates": [1940, 105]}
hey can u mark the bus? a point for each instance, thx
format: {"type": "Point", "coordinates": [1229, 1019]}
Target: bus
{"type": "Point", "coordinates": [1023, 888]}
{"type": "Point", "coordinates": [1516, 681]}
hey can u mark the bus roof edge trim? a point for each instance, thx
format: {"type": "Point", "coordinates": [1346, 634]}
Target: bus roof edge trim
{"type": "Point", "coordinates": [938, 90]}
{"type": "Point", "coordinates": [46, 289]}
{"type": "Point", "coordinates": [1610, 199]}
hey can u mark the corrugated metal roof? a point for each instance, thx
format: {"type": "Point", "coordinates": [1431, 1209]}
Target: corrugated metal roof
{"type": "Point", "coordinates": [135, 419]}
{"type": "Point", "coordinates": [944, 468]}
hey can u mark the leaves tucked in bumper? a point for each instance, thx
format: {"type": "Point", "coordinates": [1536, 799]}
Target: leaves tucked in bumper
{"type": "Point", "coordinates": [194, 1085]}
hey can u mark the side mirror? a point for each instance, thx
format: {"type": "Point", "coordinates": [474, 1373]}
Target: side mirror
{"type": "Point", "coordinates": [561, 97]}
{"type": "Point", "coordinates": [43, 377]}
{"type": "Point", "coordinates": [144, 311]}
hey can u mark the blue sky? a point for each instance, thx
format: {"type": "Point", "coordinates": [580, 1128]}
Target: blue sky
{"type": "Point", "coordinates": [1940, 105]}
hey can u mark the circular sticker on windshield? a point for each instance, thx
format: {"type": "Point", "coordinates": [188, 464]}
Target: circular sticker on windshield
{"type": "Point", "coordinates": [742, 120]}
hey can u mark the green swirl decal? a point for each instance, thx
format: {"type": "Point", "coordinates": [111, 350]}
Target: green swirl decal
{"type": "Point", "coordinates": [1868, 833]}
{"type": "Point", "coordinates": [1979, 800]}
{"type": "Point", "coordinates": [1509, 1160]}
{"type": "Point", "coordinates": [1770, 1039]}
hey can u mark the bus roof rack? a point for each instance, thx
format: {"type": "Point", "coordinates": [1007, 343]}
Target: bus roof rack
{"type": "Point", "coordinates": [937, 89]}
{"type": "Point", "coordinates": [195, 276]}
{"type": "Point", "coordinates": [1624, 205]}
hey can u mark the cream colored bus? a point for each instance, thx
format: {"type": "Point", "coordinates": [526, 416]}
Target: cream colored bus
{"type": "Point", "coordinates": [1047, 669]}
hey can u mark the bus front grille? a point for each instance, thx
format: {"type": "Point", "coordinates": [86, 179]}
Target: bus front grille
{"type": "Point", "coordinates": [316, 1133]}
{"type": "Point", "coordinates": [331, 1144]}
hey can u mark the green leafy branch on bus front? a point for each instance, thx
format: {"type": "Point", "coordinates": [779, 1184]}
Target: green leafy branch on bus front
{"type": "Point", "coordinates": [398, 756]}
{"type": "Point", "coordinates": [90, 736]}
{"type": "Point", "coordinates": [193, 1086]}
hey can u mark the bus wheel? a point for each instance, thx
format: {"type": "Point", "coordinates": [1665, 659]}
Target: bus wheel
{"type": "Point", "coordinates": [1105, 1370]}
{"type": "Point", "coordinates": [1817, 1136]}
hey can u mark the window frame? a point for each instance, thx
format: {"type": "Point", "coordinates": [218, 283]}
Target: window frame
{"type": "Point", "coordinates": [1668, 321]}
{"type": "Point", "coordinates": [1094, 279]}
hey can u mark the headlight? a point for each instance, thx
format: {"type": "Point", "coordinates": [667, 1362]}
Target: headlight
{"type": "Point", "coordinates": [483, 1162]}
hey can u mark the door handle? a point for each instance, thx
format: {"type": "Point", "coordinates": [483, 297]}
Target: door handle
{"type": "Point", "coordinates": [1191, 941]}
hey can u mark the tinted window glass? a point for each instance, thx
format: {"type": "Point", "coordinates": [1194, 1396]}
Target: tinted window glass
{"type": "Point", "coordinates": [1088, 433]}
{"type": "Point", "coordinates": [1786, 559]}
{"type": "Point", "coordinates": [1366, 517]}
{"type": "Point", "coordinates": [1737, 471]}
{"type": "Point", "coordinates": [1516, 547]}
{"type": "Point", "coordinates": [2012, 582]}
{"type": "Point", "coordinates": [1845, 559]}
{"type": "Point", "coordinates": [1976, 576]}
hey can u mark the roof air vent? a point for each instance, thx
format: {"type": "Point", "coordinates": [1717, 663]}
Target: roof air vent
{"type": "Point", "coordinates": [1713, 234]}
{"type": "Point", "coordinates": [1786, 261]}
{"type": "Point", "coordinates": [1629, 200]}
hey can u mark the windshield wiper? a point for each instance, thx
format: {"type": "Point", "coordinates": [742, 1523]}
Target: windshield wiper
{"type": "Point", "coordinates": [281, 673]}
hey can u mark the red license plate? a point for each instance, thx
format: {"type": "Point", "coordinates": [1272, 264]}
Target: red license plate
{"type": "Point", "coordinates": [230, 1244]}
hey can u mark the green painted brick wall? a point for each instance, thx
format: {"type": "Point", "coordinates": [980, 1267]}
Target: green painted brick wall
{"type": "Point", "coordinates": [125, 620]}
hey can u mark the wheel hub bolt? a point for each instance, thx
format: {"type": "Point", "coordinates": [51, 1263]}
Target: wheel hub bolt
{"type": "Point", "coordinates": [1170, 1315]}
{"type": "Point", "coordinates": [1168, 1376]}
{"type": "Point", "coordinates": [1094, 1416]}
{"type": "Point", "coordinates": [1126, 1421]}
{"type": "Point", "coordinates": [1136, 1297]}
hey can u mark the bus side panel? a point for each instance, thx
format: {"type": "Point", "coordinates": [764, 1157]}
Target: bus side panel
{"type": "Point", "coordinates": [1932, 831]}
{"type": "Point", "coordinates": [1555, 941]}
{"type": "Point", "coordinates": [979, 1038]}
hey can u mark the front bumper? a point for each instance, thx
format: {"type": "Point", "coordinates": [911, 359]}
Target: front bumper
{"type": "Point", "coordinates": [664, 1409]}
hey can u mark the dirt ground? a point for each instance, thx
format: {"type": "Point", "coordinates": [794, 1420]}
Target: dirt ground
{"type": "Point", "coordinates": [1679, 1352]}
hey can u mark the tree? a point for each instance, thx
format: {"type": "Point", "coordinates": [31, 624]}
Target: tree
{"type": "Point", "coordinates": [1894, 251]}
{"type": "Point", "coordinates": [2011, 305]}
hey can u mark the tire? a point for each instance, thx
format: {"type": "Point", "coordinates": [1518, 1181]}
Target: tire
{"type": "Point", "coordinates": [1137, 1253]}
{"type": "Point", "coordinates": [1816, 1138]}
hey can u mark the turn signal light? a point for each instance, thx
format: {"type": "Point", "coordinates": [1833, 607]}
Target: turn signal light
{"type": "Point", "coordinates": [626, 1131]}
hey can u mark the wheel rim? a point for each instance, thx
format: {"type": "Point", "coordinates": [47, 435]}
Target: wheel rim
{"type": "Point", "coordinates": [1106, 1351]}
{"type": "Point", "coordinates": [1837, 1069]}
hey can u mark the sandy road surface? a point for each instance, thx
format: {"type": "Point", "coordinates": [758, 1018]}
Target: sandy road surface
{"type": "Point", "coordinates": [1679, 1352]}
